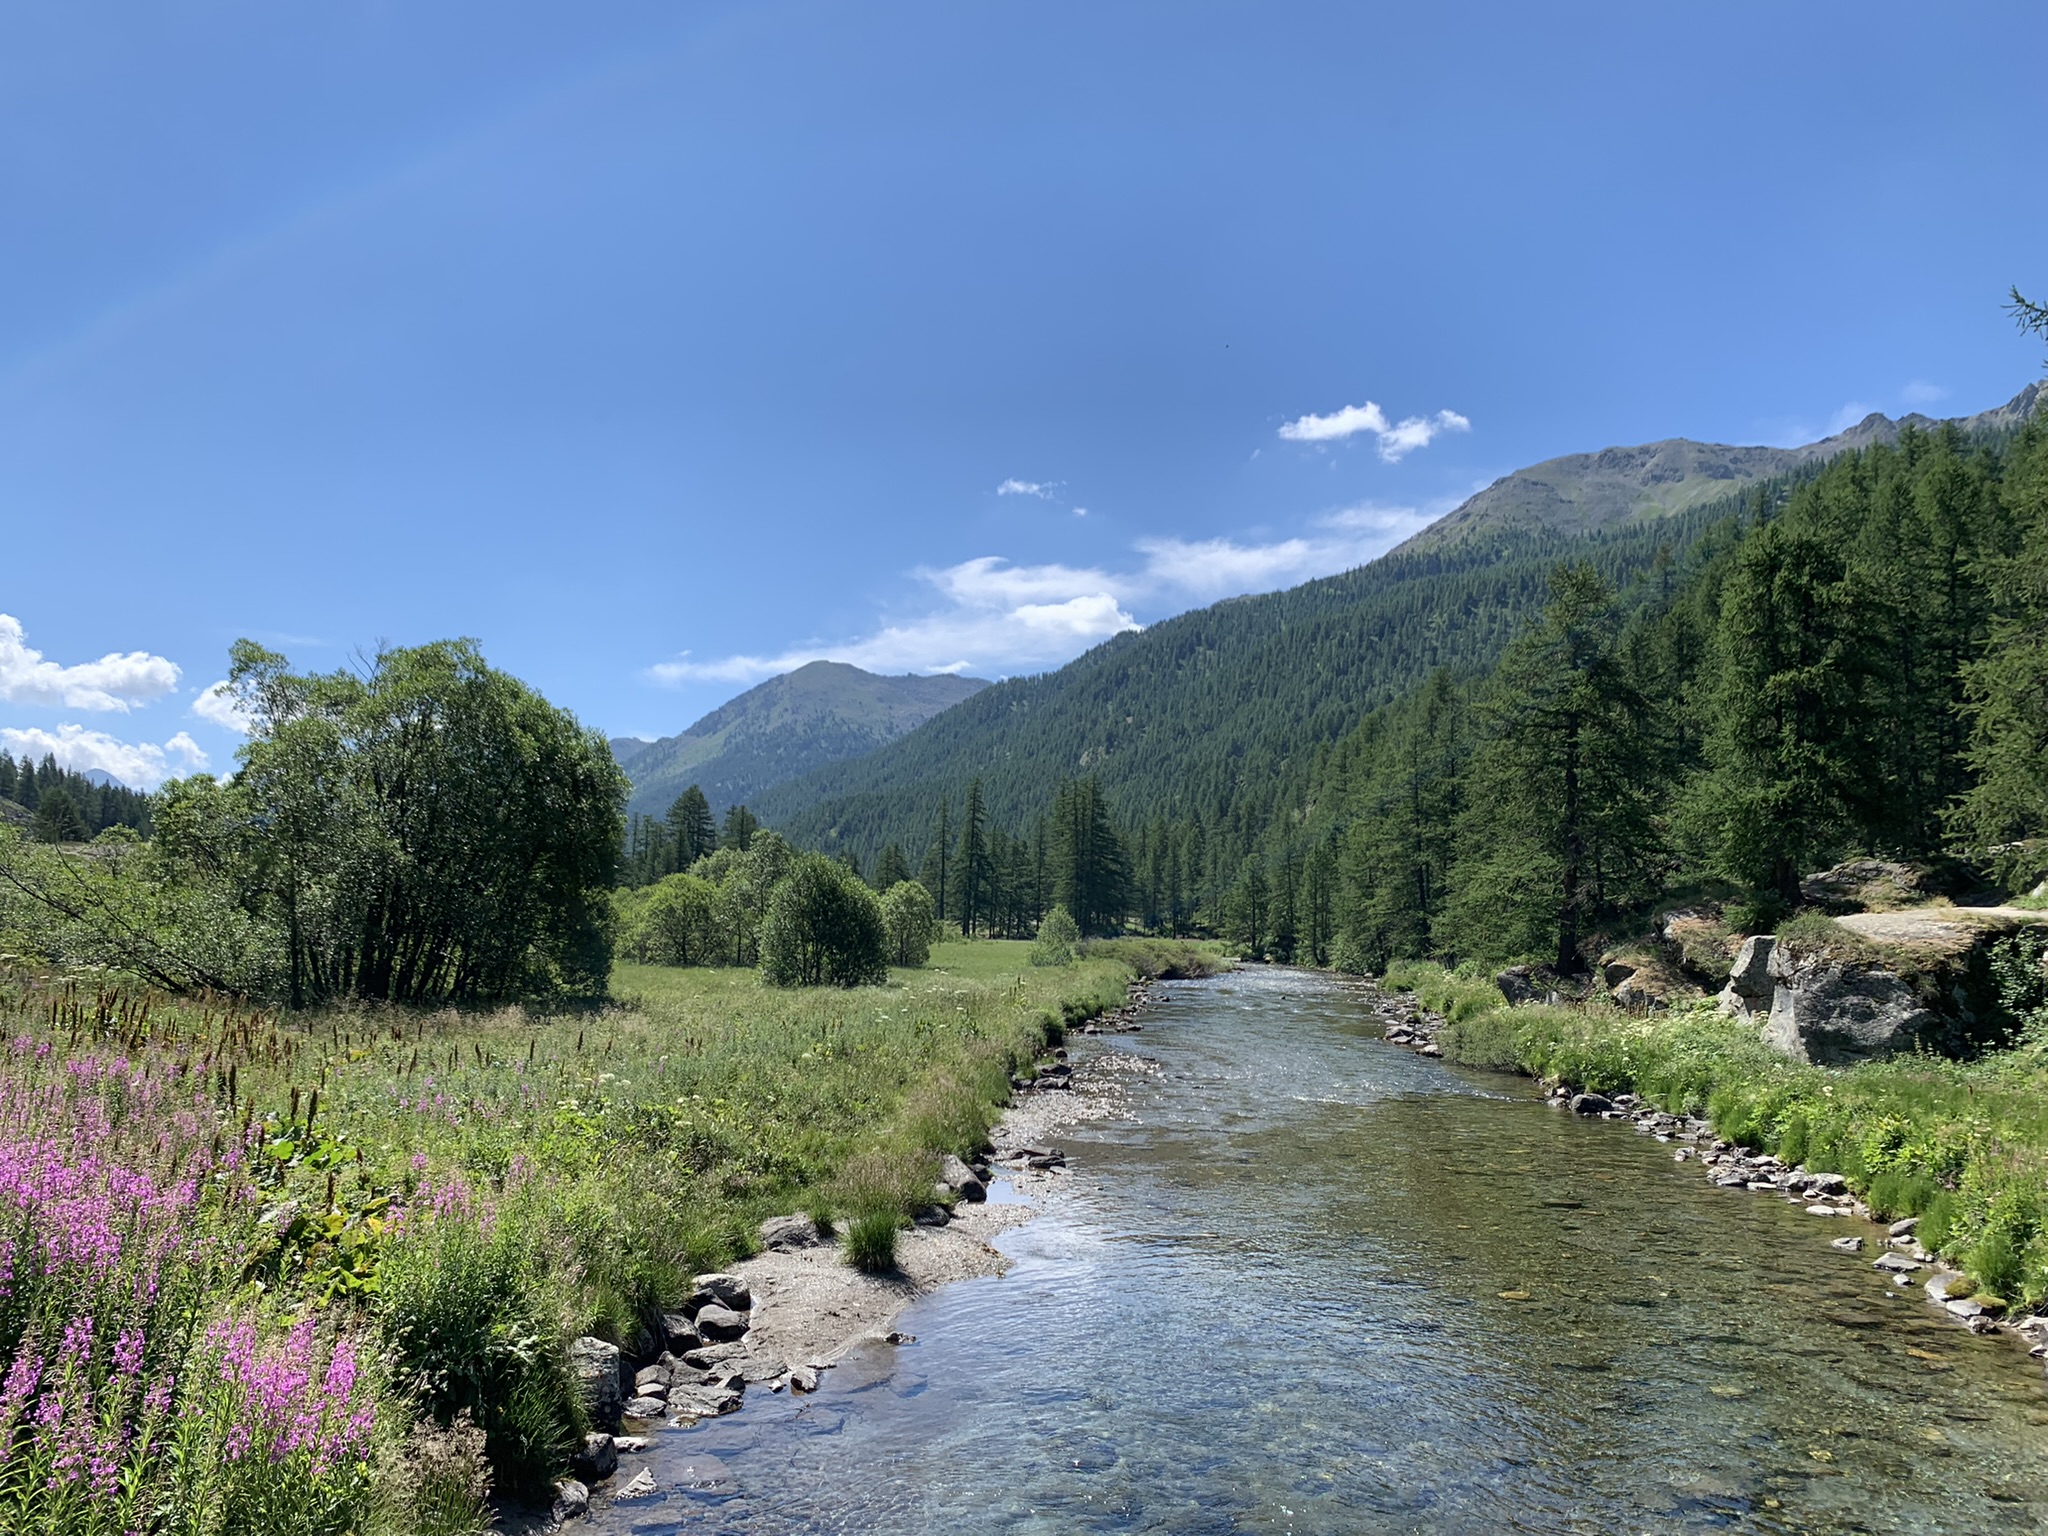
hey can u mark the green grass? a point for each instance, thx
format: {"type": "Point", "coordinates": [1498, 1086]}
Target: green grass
{"type": "Point", "coordinates": [1458, 995]}
{"type": "Point", "coordinates": [1962, 1145]}
{"type": "Point", "coordinates": [471, 1191]}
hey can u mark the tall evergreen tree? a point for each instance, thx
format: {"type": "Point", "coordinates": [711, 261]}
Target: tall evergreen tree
{"type": "Point", "coordinates": [1558, 828]}
{"type": "Point", "coordinates": [691, 830]}
{"type": "Point", "coordinates": [1091, 872]}
{"type": "Point", "coordinates": [972, 862]}
{"type": "Point", "coordinates": [740, 826]}
{"type": "Point", "coordinates": [891, 869]}
{"type": "Point", "coordinates": [937, 861]}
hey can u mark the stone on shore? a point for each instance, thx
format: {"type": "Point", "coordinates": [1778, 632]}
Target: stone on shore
{"type": "Point", "coordinates": [595, 1365]}
{"type": "Point", "coordinates": [720, 1323]}
{"type": "Point", "coordinates": [1591, 1104]}
{"type": "Point", "coordinates": [572, 1501]}
{"type": "Point", "coordinates": [960, 1178]}
{"type": "Point", "coordinates": [789, 1234]}
{"type": "Point", "coordinates": [598, 1459]}
{"type": "Point", "coordinates": [724, 1290]}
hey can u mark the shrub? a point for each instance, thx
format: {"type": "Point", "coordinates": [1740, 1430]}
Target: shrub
{"type": "Point", "coordinates": [823, 925]}
{"type": "Point", "coordinates": [911, 922]}
{"type": "Point", "coordinates": [1058, 939]}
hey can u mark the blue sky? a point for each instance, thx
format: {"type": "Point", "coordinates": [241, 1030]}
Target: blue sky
{"type": "Point", "coordinates": [659, 346]}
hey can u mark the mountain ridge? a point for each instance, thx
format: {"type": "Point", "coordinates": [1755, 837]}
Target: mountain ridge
{"type": "Point", "coordinates": [820, 713]}
{"type": "Point", "coordinates": [1581, 492]}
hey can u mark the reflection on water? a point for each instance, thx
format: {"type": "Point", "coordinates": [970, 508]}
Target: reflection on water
{"type": "Point", "coordinates": [1319, 1284]}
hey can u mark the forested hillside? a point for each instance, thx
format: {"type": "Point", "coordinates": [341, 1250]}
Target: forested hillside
{"type": "Point", "coordinates": [820, 713]}
{"type": "Point", "coordinates": [1214, 716]}
{"type": "Point", "coordinates": [1356, 767]}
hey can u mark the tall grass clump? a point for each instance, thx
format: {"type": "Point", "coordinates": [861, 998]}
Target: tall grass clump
{"type": "Point", "coordinates": [1458, 995]}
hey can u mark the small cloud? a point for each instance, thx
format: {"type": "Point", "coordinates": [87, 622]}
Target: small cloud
{"type": "Point", "coordinates": [1920, 392]}
{"type": "Point", "coordinates": [1041, 489]}
{"type": "Point", "coordinates": [217, 706]}
{"type": "Point", "coordinates": [138, 764]}
{"type": "Point", "coordinates": [114, 682]}
{"type": "Point", "coordinates": [1397, 439]}
{"type": "Point", "coordinates": [1080, 511]}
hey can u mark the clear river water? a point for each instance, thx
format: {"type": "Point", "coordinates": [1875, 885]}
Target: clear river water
{"type": "Point", "coordinates": [1271, 1300]}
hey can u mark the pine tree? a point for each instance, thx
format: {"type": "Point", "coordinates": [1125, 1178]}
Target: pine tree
{"type": "Point", "coordinates": [937, 857]}
{"type": "Point", "coordinates": [1558, 827]}
{"type": "Point", "coordinates": [1091, 872]}
{"type": "Point", "coordinates": [891, 869]}
{"type": "Point", "coordinates": [691, 828]}
{"type": "Point", "coordinates": [57, 819]}
{"type": "Point", "coordinates": [740, 826]}
{"type": "Point", "coordinates": [971, 863]}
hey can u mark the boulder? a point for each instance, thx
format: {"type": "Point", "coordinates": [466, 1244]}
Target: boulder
{"type": "Point", "coordinates": [787, 1234]}
{"type": "Point", "coordinates": [1591, 1104]}
{"type": "Point", "coordinates": [802, 1378]}
{"type": "Point", "coordinates": [1835, 1012]}
{"type": "Point", "coordinates": [572, 1501]}
{"type": "Point", "coordinates": [1517, 984]}
{"type": "Point", "coordinates": [960, 1178]}
{"type": "Point", "coordinates": [1614, 972]}
{"type": "Point", "coordinates": [595, 1365]}
{"type": "Point", "coordinates": [703, 1402]}
{"type": "Point", "coordinates": [679, 1333]}
{"type": "Point", "coordinates": [598, 1459]}
{"type": "Point", "coordinates": [641, 1487]}
{"type": "Point", "coordinates": [720, 1323]}
{"type": "Point", "coordinates": [646, 1407]}
{"type": "Point", "coordinates": [726, 1290]}
{"type": "Point", "coordinates": [1750, 986]}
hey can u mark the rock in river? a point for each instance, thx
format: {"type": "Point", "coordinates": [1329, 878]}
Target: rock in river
{"type": "Point", "coordinates": [1591, 1104]}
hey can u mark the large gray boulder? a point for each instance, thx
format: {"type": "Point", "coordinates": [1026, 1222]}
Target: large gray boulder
{"type": "Point", "coordinates": [595, 1365]}
{"type": "Point", "coordinates": [961, 1179]}
{"type": "Point", "coordinates": [1835, 1012]}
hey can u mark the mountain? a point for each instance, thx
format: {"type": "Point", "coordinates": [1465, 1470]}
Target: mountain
{"type": "Point", "coordinates": [1220, 713]}
{"type": "Point", "coordinates": [789, 725]}
{"type": "Point", "coordinates": [1585, 491]}
{"type": "Point", "coordinates": [103, 779]}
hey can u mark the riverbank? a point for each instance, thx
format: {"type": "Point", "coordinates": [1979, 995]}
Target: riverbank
{"type": "Point", "coordinates": [1945, 1195]}
{"type": "Point", "coordinates": [797, 1305]}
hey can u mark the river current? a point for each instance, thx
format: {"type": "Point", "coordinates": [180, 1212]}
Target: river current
{"type": "Point", "coordinates": [1316, 1283]}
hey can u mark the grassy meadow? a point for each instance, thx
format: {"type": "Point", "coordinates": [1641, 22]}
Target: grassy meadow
{"type": "Point", "coordinates": [316, 1273]}
{"type": "Point", "coordinates": [1961, 1144]}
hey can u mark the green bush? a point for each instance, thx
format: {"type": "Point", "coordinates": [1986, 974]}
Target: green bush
{"type": "Point", "coordinates": [823, 926]}
{"type": "Point", "coordinates": [871, 1241]}
{"type": "Point", "coordinates": [1058, 939]}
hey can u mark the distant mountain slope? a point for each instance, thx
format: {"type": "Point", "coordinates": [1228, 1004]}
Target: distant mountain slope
{"type": "Point", "coordinates": [789, 725]}
{"type": "Point", "coordinates": [1581, 492]}
{"type": "Point", "coordinates": [1219, 713]}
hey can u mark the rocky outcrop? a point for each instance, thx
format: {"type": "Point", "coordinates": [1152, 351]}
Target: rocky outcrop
{"type": "Point", "coordinates": [1827, 1009]}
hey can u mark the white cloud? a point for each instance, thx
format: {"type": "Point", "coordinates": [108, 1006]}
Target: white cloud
{"type": "Point", "coordinates": [1015, 487]}
{"type": "Point", "coordinates": [138, 764]}
{"type": "Point", "coordinates": [1920, 392]}
{"type": "Point", "coordinates": [1396, 439]}
{"type": "Point", "coordinates": [114, 682]}
{"type": "Point", "coordinates": [996, 618]}
{"type": "Point", "coordinates": [217, 706]}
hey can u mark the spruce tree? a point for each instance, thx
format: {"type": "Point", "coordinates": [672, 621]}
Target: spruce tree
{"type": "Point", "coordinates": [740, 826]}
{"type": "Point", "coordinates": [691, 828]}
{"type": "Point", "coordinates": [972, 862]}
{"type": "Point", "coordinates": [937, 859]}
{"type": "Point", "coordinates": [891, 869]}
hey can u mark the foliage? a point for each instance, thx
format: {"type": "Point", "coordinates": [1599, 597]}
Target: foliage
{"type": "Point", "coordinates": [1058, 939]}
{"type": "Point", "coordinates": [68, 806]}
{"type": "Point", "coordinates": [823, 925]}
{"type": "Point", "coordinates": [910, 923]}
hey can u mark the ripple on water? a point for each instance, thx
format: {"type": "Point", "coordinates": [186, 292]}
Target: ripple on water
{"type": "Point", "coordinates": [1320, 1284]}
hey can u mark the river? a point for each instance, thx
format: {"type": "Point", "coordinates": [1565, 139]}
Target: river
{"type": "Point", "coordinates": [1316, 1283]}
